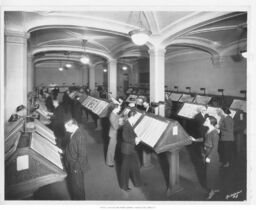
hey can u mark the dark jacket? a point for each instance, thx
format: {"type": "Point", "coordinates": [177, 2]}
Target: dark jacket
{"type": "Point", "coordinates": [75, 153]}
{"type": "Point", "coordinates": [227, 129]}
{"type": "Point", "coordinates": [199, 129]}
{"type": "Point", "coordinates": [77, 111]}
{"type": "Point", "coordinates": [128, 140]}
{"type": "Point", "coordinates": [211, 145]}
{"type": "Point", "coordinates": [49, 104]}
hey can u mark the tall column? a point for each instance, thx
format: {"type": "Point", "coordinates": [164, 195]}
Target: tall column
{"type": "Point", "coordinates": [15, 71]}
{"type": "Point", "coordinates": [92, 77]}
{"type": "Point", "coordinates": [31, 78]}
{"type": "Point", "coordinates": [157, 76]}
{"type": "Point", "coordinates": [112, 77]}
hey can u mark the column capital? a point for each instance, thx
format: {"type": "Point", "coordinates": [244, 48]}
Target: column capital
{"type": "Point", "coordinates": [157, 51]}
{"type": "Point", "coordinates": [112, 61]}
{"type": "Point", "coordinates": [216, 60]}
{"type": "Point", "coordinates": [30, 55]}
{"type": "Point", "coordinates": [16, 36]}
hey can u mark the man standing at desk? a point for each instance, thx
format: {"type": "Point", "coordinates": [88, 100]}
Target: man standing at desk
{"type": "Point", "coordinates": [76, 160]}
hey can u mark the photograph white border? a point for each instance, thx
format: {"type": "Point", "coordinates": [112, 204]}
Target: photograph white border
{"type": "Point", "coordinates": [227, 5]}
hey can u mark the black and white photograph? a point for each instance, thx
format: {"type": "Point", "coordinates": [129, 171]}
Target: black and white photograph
{"type": "Point", "coordinates": [135, 103]}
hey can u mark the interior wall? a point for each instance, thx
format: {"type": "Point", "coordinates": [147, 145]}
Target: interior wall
{"type": "Point", "coordinates": [141, 70]}
{"type": "Point", "coordinates": [48, 75]}
{"type": "Point", "coordinates": [196, 73]}
{"type": "Point", "coordinates": [99, 75]}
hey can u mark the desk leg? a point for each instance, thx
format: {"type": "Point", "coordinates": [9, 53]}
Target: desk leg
{"type": "Point", "coordinates": [99, 124]}
{"type": "Point", "coordinates": [146, 160]}
{"type": "Point", "coordinates": [90, 118]}
{"type": "Point", "coordinates": [174, 180]}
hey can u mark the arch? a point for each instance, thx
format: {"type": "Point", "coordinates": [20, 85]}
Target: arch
{"type": "Point", "coordinates": [190, 23]}
{"type": "Point", "coordinates": [236, 46]}
{"type": "Point", "coordinates": [78, 21]}
{"type": "Point", "coordinates": [74, 49]}
{"type": "Point", "coordinates": [198, 43]}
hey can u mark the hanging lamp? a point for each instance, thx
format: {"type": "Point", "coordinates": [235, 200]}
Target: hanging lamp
{"type": "Point", "coordinates": [84, 59]}
{"type": "Point", "coordinates": [140, 36]}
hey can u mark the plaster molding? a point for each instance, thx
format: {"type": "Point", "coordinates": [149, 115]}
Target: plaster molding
{"type": "Point", "coordinates": [102, 24]}
{"type": "Point", "coordinates": [74, 49]}
{"type": "Point", "coordinates": [190, 23]}
{"type": "Point", "coordinates": [233, 47]}
{"type": "Point", "coordinates": [18, 37]}
{"type": "Point", "coordinates": [157, 52]}
{"type": "Point", "coordinates": [202, 44]}
{"type": "Point", "coordinates": [213, 29]}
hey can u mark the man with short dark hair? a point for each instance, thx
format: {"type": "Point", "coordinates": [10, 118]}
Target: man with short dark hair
{"type": "Point", "coordinates": [76, 160]}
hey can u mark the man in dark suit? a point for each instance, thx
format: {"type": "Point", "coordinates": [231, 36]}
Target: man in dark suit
{"type": "Point", "coordinates": [199, 130]}
{"type": "Point", "coordinates": [76, 160]}
{"type": "Point", "coordinates": [77, 110]}
{"type": "Point", "coordinates": [130, 159]}
{"type": "Point", "coordinates": [49, 102]}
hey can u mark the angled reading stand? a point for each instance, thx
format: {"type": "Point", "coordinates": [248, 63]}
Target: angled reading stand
{"type": "Point", "coordinates": [12, 135]}
{"type": "Point", "coordinates": [202, 99]}
{"type": "Point", "coordinates": [35, 162]}
{"type": "Point", "coordinates": [189, 110]}
{"type": "Point", "coordinates": [131, 98]}
{"type": "Point", "coordinates": [186, 98]}
{"type": "Point", "coordinates": [98, 106]}
{"type": "Point", "coordinates": [31, 159]}
{"type": "Point", "coordinates": [42, 130]}
{"type": "Point", "coordinates": [163, 135]}
{"type": "Point", "coordinates": [175, 96]}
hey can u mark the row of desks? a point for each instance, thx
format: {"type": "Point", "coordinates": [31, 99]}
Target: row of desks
{"type": "Point", "coordinates": [32, 159]}
{"type": "Point", "coordinates": [160, 134]}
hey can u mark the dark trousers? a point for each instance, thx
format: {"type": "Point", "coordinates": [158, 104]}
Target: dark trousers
{"type": "Point", "coordinates": [226, 150]}
{"type": "Point", "coordinates": [76, 185]}
{"type": "Point", "coordinates": [130, 169]}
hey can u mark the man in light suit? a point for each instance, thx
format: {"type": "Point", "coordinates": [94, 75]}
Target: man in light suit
{"type": "Point", "coordinates": [114, 125]}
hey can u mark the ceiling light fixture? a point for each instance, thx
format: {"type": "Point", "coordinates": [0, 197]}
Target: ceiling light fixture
{"type": "Point", "coordinates": [84, 59]}
{"type": "Point", "coordinates": [244, 54]}
{"type": "Point", "coordinates": [68, 65]}
{"type": "Point", "coordinates": [105, 70]}
{"type": "Point", "coordinates": [124, 68]}
{"type": "Point", "coordinates": [140, 36]}
{"type": "Point", "coordinates": [61, 67]}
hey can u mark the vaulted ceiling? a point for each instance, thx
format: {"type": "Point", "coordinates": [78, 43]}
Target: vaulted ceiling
{"type": "Point", "coordinates": [53, 33]}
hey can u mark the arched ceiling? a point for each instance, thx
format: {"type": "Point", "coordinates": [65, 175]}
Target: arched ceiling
{"type": "Point", "coordinates": [54, 32]}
